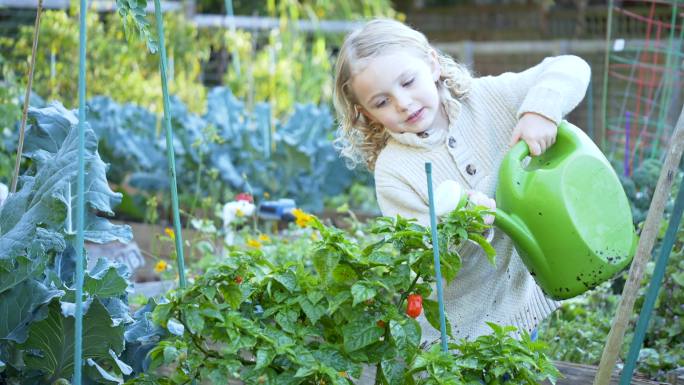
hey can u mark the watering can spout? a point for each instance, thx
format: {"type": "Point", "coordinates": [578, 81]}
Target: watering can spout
{"type": "Point", "coordinates": [526, 245]}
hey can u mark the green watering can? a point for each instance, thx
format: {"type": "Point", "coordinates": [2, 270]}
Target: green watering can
{"type": "Point", "coordinates": [566, 213]}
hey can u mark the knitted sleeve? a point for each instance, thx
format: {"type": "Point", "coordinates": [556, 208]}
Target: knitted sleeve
{"type": "Point", "coordinates": [551, 88]}
{"type": "Point", "coordinates": [393, 188]}
{"type": "Point", "coordinates": [402, 200]}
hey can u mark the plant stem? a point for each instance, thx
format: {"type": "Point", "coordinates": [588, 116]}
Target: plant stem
{"type": "Point", "coordinates": [407, 292]}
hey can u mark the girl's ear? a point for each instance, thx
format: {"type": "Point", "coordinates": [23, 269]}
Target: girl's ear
{"type": "Point", "coordinates": [434, 65]}
{"type": "Point", "coordinates": [362, 111]}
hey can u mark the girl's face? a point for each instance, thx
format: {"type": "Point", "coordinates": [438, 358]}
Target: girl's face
{"type": "Point", "coordinates": [399, 91]}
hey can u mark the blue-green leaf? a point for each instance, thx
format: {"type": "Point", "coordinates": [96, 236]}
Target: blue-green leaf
{"type": "Point", "coordinates": [106, 279]}
{"type": "Point", "coordinates": [21, 305]}
{"type": "Point", "coordinates": [49, 347]}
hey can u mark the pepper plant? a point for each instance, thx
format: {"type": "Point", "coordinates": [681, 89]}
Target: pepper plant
{"type": "Point", "coordinates": [320, 316]}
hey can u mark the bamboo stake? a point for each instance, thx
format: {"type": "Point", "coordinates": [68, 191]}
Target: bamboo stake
{"type": "Point", "coordinates": [24, 112]}
{"type": "Point", "coordinates": [646, 241]}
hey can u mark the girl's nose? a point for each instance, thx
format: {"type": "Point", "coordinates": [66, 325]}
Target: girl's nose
{"type": "Point", "coordinates": [403, 101]}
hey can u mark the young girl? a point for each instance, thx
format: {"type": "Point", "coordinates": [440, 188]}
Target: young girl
{"type": "Point", "coordinates": [401, 103]}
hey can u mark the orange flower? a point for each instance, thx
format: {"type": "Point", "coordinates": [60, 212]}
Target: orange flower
{"type": "Point", "coordinates": [169, 232]}
{"type": "Point", "coordinates": [160, 266]}
{"type": "Point", "coordinates": [253, 243]}
{"type": "Point", "coordinates": [302, 219]}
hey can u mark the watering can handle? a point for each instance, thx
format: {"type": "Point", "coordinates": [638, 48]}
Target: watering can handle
{"type": "Point", "coordinates": [520, 150]}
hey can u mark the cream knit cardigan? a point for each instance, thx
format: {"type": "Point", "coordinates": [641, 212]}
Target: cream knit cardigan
{"type": "Point", "coordinates": [470, 153]}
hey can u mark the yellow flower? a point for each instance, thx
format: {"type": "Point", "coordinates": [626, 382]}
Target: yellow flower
{"type": "Point", "coordinates": [302, 219]}
{"type": "Point", "coordinates": [264, 238]}
{"type": "Point", "coordinates": [239, 213]}
{"type": "Point", "coordinates": [253, 243]}
{"type": "Point", "coordinates": [169, 232]}
{"type": "Point", "coordinates": [266, 195]}
{"type": "Point", "coordinates": [314, 236]}
{"type": "Point", "coordinates": [160, 266]}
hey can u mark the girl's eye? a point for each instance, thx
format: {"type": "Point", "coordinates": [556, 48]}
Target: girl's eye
{"type": "Point", "coordinates": [408, 83]}
{"type": "Point", "coordinates": [380, 103]}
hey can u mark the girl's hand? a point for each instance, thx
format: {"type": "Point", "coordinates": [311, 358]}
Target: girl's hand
{"type": "Point", "coordinates": [479, 199]}
{"type": "Point", "coordinates": [537, 131]}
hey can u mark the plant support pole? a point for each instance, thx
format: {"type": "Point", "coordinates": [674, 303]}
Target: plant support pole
{"type": "Point", "coordinates": [646, 241]}
{"type": "Point", "coordinates": [653, 288]}
{"type": "Point", "coordinates": [606, 65]}
{"type": "Point", "coordinates": [435, 251]}
{"type": "Point", "coordinates": [27, 98]}
{"type": "Point", "coordinates": [169, 145]}
{"type": "Point", "coordinates": [80, 196]}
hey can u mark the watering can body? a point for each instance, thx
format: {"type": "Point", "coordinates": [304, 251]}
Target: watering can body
{"type": "Point", "coordinates": [566, 213]}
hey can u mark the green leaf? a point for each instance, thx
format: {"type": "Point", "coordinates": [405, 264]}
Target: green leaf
{"type": "Point", "coordinates": [488, 249]}
{"type": "Point", "coordinates": [18, 269]}
{"type": "Point", "coordinates": [337, 301]}
{"type": "Point", "coordinates": [264, 357]}
{"type": "Point", "coordinates": [49, 347]}
{"type": "Point", "coordinates": [194, 319]}
{"type": "Point", "coordinates": [313, 312]}
{"type": "Point", "coordinates": [21, 305]}
{"type": "Point", "coordinates": [104, 375]}
{"type": "Point", "coordinates": [325, 261]}
{"type": "Point", "coordinates": [330, 356]}
{"type": "Point", "coordinates": [287, 319]}
{"type": "Point", "coordinates": [360, 333]}
{"type": "Point", "coordinates": [49, 194]}
{"type": "Point", "coordinates": [431, 309]}
{"type": "Point", "coordinates": [233, 295]}
{"type": "Point", "coordinates": [288, 279]}
{"type": "Point", "coordinates": [170, 354]}
{"type": "Point", "coordinates": [175, 327]}
{"type": "Point", "coordinates": [106, 279]}
{"type": "Point", "coordinates": [362, 292]}
{"type": "Point", "coordinates": [678, 278]}
{"type": "Point", "coordinates": [344, 273]}
{"type": "Point", "coordinates": [304, 371]}
{"type": "Point", "coordinates": [393, 370]}
{"type": "Point", "coordinates": [406, 337]}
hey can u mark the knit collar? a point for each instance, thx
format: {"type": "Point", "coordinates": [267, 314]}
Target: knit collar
{"type": "Point", "coordinates": [426, 139]}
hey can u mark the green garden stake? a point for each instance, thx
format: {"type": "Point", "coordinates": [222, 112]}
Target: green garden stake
{"type": "Point", "coordinates": [435, 251]}
{"type": "Point", "coordinates": [169, 145]}
{"type": "Point", "coordinates": [567, 214]}
{"type": "Point", "coordinates": [653, 288]}
{"type": "Point", "coordinates": [80, 196]}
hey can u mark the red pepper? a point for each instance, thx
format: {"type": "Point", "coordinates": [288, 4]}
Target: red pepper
{"type": "Point", "coordinates": [380, 324]}
{"type": "Point", "coordinates": [414, 305]}
{"type": "Point", "coordinates": [238, 280]}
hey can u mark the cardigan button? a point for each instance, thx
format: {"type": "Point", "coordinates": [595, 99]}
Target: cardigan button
{"type": "Point", "coordinates": [452, 142]}
{"type": "Point", "coordinates": [471, 170]}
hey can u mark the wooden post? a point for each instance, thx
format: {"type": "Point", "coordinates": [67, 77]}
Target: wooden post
{"type": "Point", "coordinates": [646, 241]}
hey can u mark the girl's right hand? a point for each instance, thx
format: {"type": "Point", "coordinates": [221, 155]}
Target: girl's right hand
{"type": "Point", "coordinates": [480, 199]}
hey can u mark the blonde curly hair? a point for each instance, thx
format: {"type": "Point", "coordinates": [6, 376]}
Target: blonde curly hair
{"type": "Point", "coordinates": [359, 140]}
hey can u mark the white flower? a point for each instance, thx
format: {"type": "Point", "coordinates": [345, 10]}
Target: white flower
{"type": "Point", "coordinates": [231, 211]}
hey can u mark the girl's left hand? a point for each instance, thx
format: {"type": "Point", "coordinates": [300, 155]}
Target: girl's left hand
{"type": "Point", "coordinates": [537, 131]}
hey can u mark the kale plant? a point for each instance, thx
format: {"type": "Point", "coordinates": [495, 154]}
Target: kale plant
{"type": "Point", "coordinates": [38, 261]}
